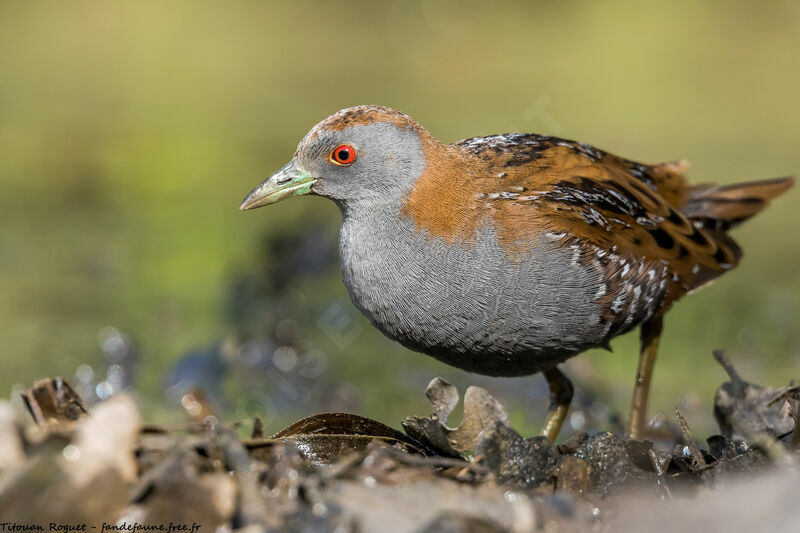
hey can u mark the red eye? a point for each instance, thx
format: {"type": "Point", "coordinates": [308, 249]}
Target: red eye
{"type": "Point", "coordinates": [343, 154]}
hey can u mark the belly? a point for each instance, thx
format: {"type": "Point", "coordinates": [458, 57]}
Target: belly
{"type": "Point", "coordinates": [472, 307]}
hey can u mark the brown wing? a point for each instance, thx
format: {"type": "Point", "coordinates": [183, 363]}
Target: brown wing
{"type": "Point", "coordinates": [626, 219]}
{"type": "Point", "coordinates": [600, 202]}
{"type": "Point", "coordinates": [637, 209]}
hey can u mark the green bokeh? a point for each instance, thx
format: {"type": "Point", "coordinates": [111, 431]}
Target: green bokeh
{"type": "Point", "coordinates": [130, 131]}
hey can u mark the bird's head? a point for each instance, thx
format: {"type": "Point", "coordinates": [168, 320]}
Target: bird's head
{"type": "Point", "coordinates": [366, 155]}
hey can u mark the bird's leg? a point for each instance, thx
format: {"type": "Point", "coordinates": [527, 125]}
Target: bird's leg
{"type": "Point", "coordinates": [560, 398]}
{"type": "Point", "coordinates": [650, 333]}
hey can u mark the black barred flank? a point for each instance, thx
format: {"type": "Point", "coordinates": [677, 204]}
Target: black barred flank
{"type": "Point", "coordinates": [589, 193]}
{"type": "Point", "coordinates": [642, 173]}
{"type": "Point", "coordinates": [663, 239]}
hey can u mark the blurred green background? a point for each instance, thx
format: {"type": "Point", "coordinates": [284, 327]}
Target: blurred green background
{"type": "Point", "coordinates": [130, 132]}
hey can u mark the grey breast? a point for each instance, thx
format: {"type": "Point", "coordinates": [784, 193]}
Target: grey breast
{"type": "Point", "coordinates": [469, 305]}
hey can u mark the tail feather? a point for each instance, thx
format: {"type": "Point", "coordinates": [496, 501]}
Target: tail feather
{"type": "Point", "coordinates": [723, 207]}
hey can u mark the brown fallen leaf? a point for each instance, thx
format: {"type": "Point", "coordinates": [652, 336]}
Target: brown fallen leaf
{"type": "Point", "coordinates": [53, 401]}
{"type": "Point", "coordinates": [481, 410]}
{"type": "Point", "coordinates": [324, 437]}
{"type": "Point", "coordinates": [443, 396]}
{"type": "Point", "coordinates": [744, 409]}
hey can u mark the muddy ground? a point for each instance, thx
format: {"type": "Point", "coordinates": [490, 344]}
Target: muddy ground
{"type": "Point", "coordinates": [65, 467]}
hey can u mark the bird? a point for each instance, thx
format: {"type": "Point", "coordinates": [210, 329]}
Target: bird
{"type": "Point", "coordinates": [508, 254]}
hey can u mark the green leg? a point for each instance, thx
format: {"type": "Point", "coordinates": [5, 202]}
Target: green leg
{"type": "Point", "coordinates": [650, 333]}
{"type": "Point", "coordinates": [560, 398]}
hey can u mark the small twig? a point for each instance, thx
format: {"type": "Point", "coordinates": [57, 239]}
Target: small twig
{"type": "Point", "coordinates": [791, 391]}
{"type": "Point", "coordinates": [698, 461]}
{"type": "Point", "coordinates": [727, 365]}
{"type": "Point", "coordinates": [419, 460]}
{"type": "Point", "coordinates": [189, 427]}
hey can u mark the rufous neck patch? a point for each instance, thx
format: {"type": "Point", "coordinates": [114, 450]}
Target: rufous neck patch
{"type": "Point", "coordinates": [465, 186]}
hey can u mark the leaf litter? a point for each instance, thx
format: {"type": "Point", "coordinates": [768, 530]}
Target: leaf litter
{"type": "Point", "coordinates": [343, 472]}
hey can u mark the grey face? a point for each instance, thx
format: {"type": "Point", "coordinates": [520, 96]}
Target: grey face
{"type": "Point", "coordinates": [388, 160]}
